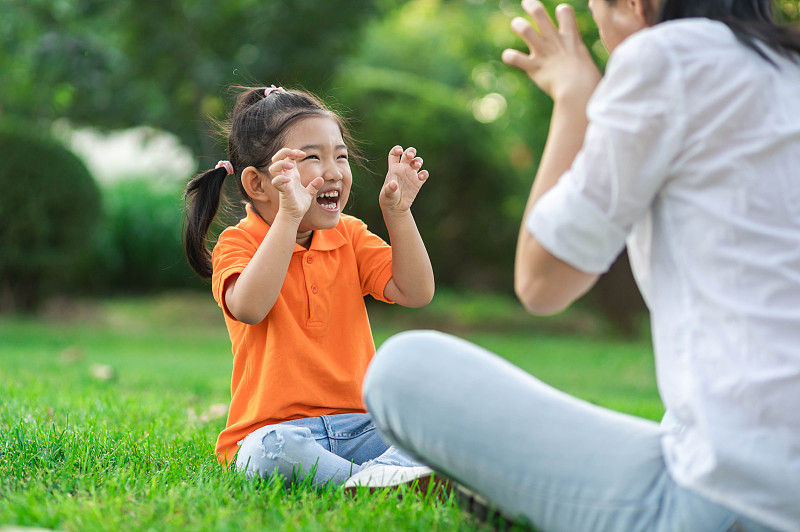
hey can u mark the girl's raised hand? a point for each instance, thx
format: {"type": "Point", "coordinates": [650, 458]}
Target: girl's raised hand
{"type": "Point", "coordinates": [558, 61]}
{"type": "Point", "coordinates": [295, 199]}
{"type": "Point", "coordinates": [403, 180]}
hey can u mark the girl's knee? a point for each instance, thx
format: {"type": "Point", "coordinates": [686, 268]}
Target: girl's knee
{"type": "Point", "coordinates": [274, 449]}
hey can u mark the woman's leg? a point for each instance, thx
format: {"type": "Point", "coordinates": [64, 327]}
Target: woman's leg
{"type": "Point", "coordinates": [561, 463]}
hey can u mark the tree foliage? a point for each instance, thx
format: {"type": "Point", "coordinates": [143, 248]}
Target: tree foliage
{"type": "Point", "coordinates": [164, 63]}
{"type": "Point", "coordinates": [49, 209]}
{"type": "Point", "coordinates": [429, 75]}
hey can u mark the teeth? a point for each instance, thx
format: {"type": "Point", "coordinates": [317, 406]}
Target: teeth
{"type": "Point", "coordinates": [333, 194]}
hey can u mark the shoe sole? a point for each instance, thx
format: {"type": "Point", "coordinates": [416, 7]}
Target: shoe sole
{"type": "Point", "coordinates": [425, 484]}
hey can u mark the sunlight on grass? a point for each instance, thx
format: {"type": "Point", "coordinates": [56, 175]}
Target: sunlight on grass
{"type": "Point", "coordinates": [132, 448]}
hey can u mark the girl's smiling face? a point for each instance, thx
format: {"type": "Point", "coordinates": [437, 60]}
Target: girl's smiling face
{"type": "Point", "coordinates": [326, 156]}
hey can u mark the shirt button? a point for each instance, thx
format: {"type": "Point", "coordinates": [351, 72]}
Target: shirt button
{"type": "Point", "coordinates": [309, 259]}
{"type": "Point", "coordinates": [314, 288]}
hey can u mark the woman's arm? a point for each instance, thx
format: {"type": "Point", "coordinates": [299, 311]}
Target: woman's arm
{"type": "Point", "coordinates": [412, 283]}
{"type": "Point", "coordinates": [559, 64]}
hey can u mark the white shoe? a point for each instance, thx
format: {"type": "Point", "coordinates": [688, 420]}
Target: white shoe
{"type": "Point", "coordinates": [384, 476]}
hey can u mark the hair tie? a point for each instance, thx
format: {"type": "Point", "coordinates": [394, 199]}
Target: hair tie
{"type": "Point", "coordinates": [273, 88]}
{"type": "Point", "coordinates": [226, 165]}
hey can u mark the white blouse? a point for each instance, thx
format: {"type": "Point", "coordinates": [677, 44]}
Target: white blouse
{"type": "Point", "coordinates": [693, 156]}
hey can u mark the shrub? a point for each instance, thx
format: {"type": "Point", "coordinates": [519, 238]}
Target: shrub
{"type": "Point", "coordinates": [138, 247]}
{"type": "Point", "coordinates": [49, 206]}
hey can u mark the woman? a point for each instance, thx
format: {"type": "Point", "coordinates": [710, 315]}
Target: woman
{"type": "Point", "coordinates": [688, 150]}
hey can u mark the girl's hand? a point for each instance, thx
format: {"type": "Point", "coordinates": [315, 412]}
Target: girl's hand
{"type": "Point", "coordinates": [295, 199]}
{"type": "Point", "coordinates": [558, 61]}
{"type": "Point", "coordinates": [403, 180]}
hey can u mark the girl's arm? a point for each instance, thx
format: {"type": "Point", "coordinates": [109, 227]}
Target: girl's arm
{"type": "Point", "coordinates": [412, 282]}
{"type": "Point", "coordinates": [251, 295]}
{"type": "Point", "coordinates": [559, 64]}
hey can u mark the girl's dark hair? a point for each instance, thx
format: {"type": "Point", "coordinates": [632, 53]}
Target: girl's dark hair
{"type": "Point", "coordinates": [752, 21]}
{"type": "Point", "coordinates": [255, 131]}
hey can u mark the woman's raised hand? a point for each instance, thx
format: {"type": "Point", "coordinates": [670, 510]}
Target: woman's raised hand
{"type": "Point", "coordinates": [295, 199]}
{"type": "Point", "coordinates": [403, 180]}
{"type": "Point", "coordinates": [557, 61]}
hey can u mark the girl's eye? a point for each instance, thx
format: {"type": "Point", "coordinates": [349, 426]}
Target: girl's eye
{"type": "Point", "coordinates": [343, 156]}
{"type": "Point", "coordinates": [310, 157]}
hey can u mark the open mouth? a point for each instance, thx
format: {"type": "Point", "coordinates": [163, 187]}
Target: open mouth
{"type": "Point", "coordinates": [329, 200]}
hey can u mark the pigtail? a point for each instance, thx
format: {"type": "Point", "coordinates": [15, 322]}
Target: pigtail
{"type": "Point", "coordinates": [202, 199]}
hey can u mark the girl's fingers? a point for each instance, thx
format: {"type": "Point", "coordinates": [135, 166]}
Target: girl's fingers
{"type": "Point", "coordinates": [395, 154]}
{"type": "Point", "coordinates": [279, 181]}
{"type": "Point", "coordinates": [280, 166]}
{"type": "Point", "coordinates": [416, 163]}
{"type": "Point", "coordinates": [390, 189]}
{"type": "Point", "coordinates": [423, 175]}
{"type": "Point", "coordinates": [289, 153]}
{"type": "Point", "coordinates": [316, 184]}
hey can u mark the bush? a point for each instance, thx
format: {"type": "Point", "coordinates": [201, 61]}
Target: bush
{"type": "Point", "coordinates": [49, 207]}
{"type": "Point", "coordinates": [138, 247]}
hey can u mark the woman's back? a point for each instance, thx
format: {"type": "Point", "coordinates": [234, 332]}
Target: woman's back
{"type": "Point", "coordinates": [718, 253]}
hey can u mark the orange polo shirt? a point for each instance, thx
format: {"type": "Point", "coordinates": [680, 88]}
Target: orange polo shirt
{"type": "Point", "coordinates": [308, 356]}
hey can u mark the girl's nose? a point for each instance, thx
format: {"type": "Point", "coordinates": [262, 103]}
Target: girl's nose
{"type": "Point", "coordinates": [332, 173]}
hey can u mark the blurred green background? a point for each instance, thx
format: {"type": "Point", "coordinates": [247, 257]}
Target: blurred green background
{"type": "Point", "coordinates": [78, 76]}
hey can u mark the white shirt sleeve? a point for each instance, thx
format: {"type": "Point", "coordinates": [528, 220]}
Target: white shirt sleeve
{"type": "Point", "coordinates": [634, 134]}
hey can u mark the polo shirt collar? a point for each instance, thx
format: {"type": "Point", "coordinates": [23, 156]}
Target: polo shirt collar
{"type": "Point", "coordinates": [322, 240]}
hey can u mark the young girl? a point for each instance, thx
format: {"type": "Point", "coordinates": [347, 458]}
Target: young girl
{"type": "Point", "coordinates": [291, 278]}
{"type": "Point", "coordinates": [689, 153]}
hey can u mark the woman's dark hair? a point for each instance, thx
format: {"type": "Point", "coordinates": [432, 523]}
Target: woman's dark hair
{"type": "Point", "coordinates": [255, 131]}
{"type": "Point", "coordinates": [752, 21]}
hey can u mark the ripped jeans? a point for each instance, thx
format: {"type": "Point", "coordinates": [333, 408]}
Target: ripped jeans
{"type": "Point", "coordinates": [332, 447]}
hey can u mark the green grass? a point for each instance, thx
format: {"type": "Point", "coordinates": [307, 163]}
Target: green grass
{"type": "Point", "coordinates": [135, 451]}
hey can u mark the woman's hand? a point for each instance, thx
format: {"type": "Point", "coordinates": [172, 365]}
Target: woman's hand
{"type": "Point", "coordinates": [403, 180]}
{"type": "Point", "coordinates": [295, 198]}
{"type": "Point", "coordinates": [558, 61]}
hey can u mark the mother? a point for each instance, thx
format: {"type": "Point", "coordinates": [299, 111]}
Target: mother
{"type": "Point", "coordinates": [689, 152]}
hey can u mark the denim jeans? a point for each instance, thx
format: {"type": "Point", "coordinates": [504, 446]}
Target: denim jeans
{"type": "Point", "coordinates": [333, 447]}
{"type": "Point", "coordinates": [560, 463]}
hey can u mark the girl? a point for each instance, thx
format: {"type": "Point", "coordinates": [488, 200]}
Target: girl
{"type": "Point", "coordinates": [689, 149]}
{"type": "Point", "coordinates": [291, 278]}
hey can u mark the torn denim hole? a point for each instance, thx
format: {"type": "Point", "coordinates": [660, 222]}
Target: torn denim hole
{"type": "Point", "coordinates": [272, 447]}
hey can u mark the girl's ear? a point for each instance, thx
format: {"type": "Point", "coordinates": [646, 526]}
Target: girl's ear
{"type": "Point", "coordinates": [254, 183]}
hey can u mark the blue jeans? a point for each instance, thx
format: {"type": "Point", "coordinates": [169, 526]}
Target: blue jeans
{"type": "Point", "coordinates": [333, 447]}
{"type": "Point", "coordinates": [539, 454]}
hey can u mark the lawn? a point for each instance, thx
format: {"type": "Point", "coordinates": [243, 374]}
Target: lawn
{"type": "Point", "coordinates": [111, 408]}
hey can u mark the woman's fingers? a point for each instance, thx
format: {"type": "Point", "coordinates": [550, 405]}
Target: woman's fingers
{"type": "Point", "coordinates": [567, 25]}
{"type": "Point", "coordinates": [517, 59]}
{"type": "Point", "coordinates": [542, 20]}
{"type": "Point", "coordinates": [525, 29]}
